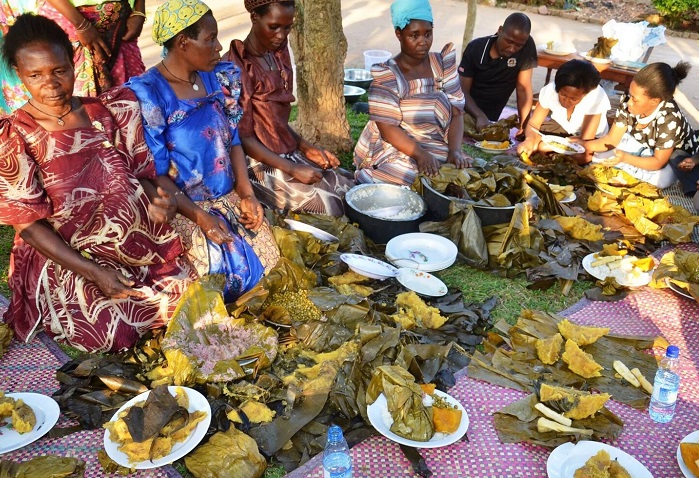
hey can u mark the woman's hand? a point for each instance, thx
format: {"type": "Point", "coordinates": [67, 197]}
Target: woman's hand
{"type": "Point", "coordinates": [427, 164]}
{"type": "Point", "coordinates": [163, 207]}
{"type": "Point", "coordinates": [614, 160]}
{"type": "Point", "coordinates": [251, 213]}
{"type": "Point", "coordinates": [114, 284]}
{"type": "Point", "coordinates": [91, 39]}
{"type": "Point", "coordinates": [305, 174]}
{"type": "Point", "coordinates": [528, 147]}
{"type": "Point", "coordinates": [323, 158]}
{"type": "Point", "coordinates": [459, 159]}
{"type": "Point", "coordinates": [134, 27]}
{"type": "Point", "coordinates": [215, 229]}
{"type": "Point", "coordinates": [687, 164]}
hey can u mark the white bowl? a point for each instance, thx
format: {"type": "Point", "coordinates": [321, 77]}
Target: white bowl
{"type": "Point", "coordinates": [369, 267]}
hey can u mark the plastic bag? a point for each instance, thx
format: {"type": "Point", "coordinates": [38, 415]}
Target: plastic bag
{"type": "Point", "coordinates": [634, 39]}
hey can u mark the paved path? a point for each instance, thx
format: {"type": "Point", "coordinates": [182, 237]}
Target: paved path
{"type": "Point", "coordinates": [367, 26]}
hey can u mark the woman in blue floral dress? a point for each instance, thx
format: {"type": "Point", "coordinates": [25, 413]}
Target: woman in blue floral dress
{"type": "Point", "coordinates": [189, 103]}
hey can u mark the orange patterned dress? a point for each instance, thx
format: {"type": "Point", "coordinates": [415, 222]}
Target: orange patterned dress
{"type": "Point", "coordinates": [84, 183]}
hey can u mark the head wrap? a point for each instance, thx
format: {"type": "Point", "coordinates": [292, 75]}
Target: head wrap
{"type": "Point", "coordinates": [402, 11]}
{"type": "Point", "coordinates": [174, 16]}
{"type": "Point", "coordinates": [251, 5]}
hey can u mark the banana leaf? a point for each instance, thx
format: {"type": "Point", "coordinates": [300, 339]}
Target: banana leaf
{"type": "Point", "coordinates": [517, 423]}
{"type": "Point", "coordinates": [352, 238]}
{"type": "Point", "coordinates": [498, 131]}
{"type": "Point", "coordinates": [411, 419]}
{"type": "Point", "coordinates": [516, 246]}
{"type": "Point", "coordinates": [464, 229]}
{"type": "Point", "coordinates": [519, 367]}
{"type": "Point", "coordinates": [231, 454]}
{"type": "Point", "coordinates": [6, 335]}
{"type": "Point", "coordinates": [47, 466]}
{"type": "Point", "coordinates": [659, 219]}
{"type": "Point", "coordinates": [202, 343]}
{"type": "Point", "coordinates": [680, 268]}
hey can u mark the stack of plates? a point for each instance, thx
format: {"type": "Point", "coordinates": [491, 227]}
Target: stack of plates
{"type": "Point", "coordinates": [429, 252]}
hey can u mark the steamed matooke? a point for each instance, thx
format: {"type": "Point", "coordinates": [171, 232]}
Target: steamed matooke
{"type": "Point", "coordinates": [549, 350]}
{"type": "Point", "coordinates": [23, 417]}
{"type": "Point", "coordinates": [574, 404]}
{"type": "Point", "coordinates": [580, 362]}
{"type": "Point", "coordinates": [580, 334]}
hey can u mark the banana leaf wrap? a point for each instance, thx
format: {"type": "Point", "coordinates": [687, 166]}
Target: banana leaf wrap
{"type": "Point", "coordinates": [202, 343]}
{"type": "Point", "coordinates": [6, 335]}
{"type": "Point", "coordinates": [47, 466]}
{"type": "Point", "coordinates": [681, 268]}
{"type": "Point", "coordinates": [231, 454]}
{"type": "Point", "coordinates": [517, 423]}
{"type": "Point", "coordinates": [511, 360]}
{"type": "Point", "coordinates": [411, 419]}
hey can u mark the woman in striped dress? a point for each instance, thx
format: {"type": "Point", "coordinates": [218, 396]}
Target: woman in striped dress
{"type": "Point", "coordinates": [415, 106]}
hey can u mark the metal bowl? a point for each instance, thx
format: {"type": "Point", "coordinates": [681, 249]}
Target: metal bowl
{"type": "Point", "coordinates": [364, 199]}
{"type": "Point", "coordinates": [353, 93]}
{"type": "Point", "coordinates": [358, 77]}
{"type": "Point", "coordinates": [438, 205]}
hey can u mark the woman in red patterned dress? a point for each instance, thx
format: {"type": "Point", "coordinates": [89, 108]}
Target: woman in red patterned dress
{"type": "Point", "coordinates": [94, 259]}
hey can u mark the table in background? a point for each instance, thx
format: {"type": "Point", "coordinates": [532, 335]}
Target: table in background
{"type": "Point", "coordinates": [608, 71]}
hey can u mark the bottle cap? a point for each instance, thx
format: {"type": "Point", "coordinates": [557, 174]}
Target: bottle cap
{"type": "Point", "coordinates": [334, 433]}
{"type": "Point", "coordinates": [673, 351]}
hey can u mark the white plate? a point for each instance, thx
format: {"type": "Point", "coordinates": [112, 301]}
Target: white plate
{"type": "Point", "coordinates": [314, 231]}
{"type": "Point", "coordinates": [550, 140]}
{"type": "Point", "coordinates": [566, 458]}
{"type": "Point", "coordinates": [492, 150]}
{"type": "Point", "coordinates": [369, 267]}
{"type": "Point", "coordinates": [569, 198]}
{"type": "Point", "coordinates": [597, 273]}
{"type": "Point", "coordinates": [197, 402]}
{"type": "Point", "coordinates": [679, 290]}
{"type": "Point", "coordinates": [46, 410]}
{"type": "Point", "coordinates": [691, 438]}
{"type": "Point", "coordinates": [431, 251]}
{"type": "Point", "coordinates": [376, 411]}
{"type": "Point", "coordinates": [422, 282]}
{"type": "Point", "coordinates": [557, 50]}
{"type": "Point", "coordinates": [601, 61]}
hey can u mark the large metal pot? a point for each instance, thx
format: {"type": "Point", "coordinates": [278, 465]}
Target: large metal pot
{"type": "Point", "coordinates": [438, 205]}
{"type": "Point", "coordinates": [368, 203]}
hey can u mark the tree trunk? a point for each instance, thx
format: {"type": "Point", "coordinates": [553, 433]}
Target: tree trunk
{"type": "Point", "coordinates": [320, 48]}
{"type": "Point", "coordinates": [470, 22]}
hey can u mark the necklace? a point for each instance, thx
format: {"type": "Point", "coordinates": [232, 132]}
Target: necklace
{"type": "Point", "coordinates": [272, 63]}
{"type": "Point", "coordinates": [195, 87]}
{"type": "Point", "coordinates": [59, 118]}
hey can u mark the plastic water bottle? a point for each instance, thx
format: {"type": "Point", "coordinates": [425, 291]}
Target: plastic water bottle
{"type": "Point", "coordinates": [665, 387]}
{"type": "Point", "coordinates": [337, 461]}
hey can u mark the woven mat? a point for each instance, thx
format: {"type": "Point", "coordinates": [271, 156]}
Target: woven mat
{"type": "Point", "coordinates": [31, 368]}
{"type": "Point", "coordinates": [647, 312]}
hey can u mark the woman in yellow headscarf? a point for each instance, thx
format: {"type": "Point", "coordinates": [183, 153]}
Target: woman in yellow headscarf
{"type": "Point", "coordinates": [189, 103]}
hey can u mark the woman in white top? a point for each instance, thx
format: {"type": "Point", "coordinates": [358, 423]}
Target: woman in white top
{"type": "Point", "coordinates": [576, 104]}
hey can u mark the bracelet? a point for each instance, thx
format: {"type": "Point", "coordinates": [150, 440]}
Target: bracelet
{"type": "Point", "coordinates": [179, 193]}
{"type": "Point", "coordinates": [84, 25]}
{"type": "Point", "coordinates": [136, 13]}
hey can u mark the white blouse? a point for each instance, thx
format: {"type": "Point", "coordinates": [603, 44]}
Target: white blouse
{"type": "Point", "coordinates": [595, 102]}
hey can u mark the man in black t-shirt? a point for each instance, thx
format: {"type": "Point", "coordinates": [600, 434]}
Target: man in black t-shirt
{"type": "Point", "coordinates": [493, 66]}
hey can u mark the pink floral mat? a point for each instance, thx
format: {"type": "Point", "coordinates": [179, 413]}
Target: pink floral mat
{"type": "Point", "coordinates": [32, 367]}
{"type": "Point", "coordinates": [647, 312]}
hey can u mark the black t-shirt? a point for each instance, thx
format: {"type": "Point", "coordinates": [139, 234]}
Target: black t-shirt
{"type": "Point", "coordinates": [494, 79]}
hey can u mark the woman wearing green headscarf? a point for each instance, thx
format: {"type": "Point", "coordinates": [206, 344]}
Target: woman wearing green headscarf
{"type": "Point", "coordinates": [415, 106]}
{"type": "Point", "coordinates": [190, 109]}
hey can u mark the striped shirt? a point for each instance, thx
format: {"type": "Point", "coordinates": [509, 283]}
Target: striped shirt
{"type": "Point", "coordinates": [422, 107]}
